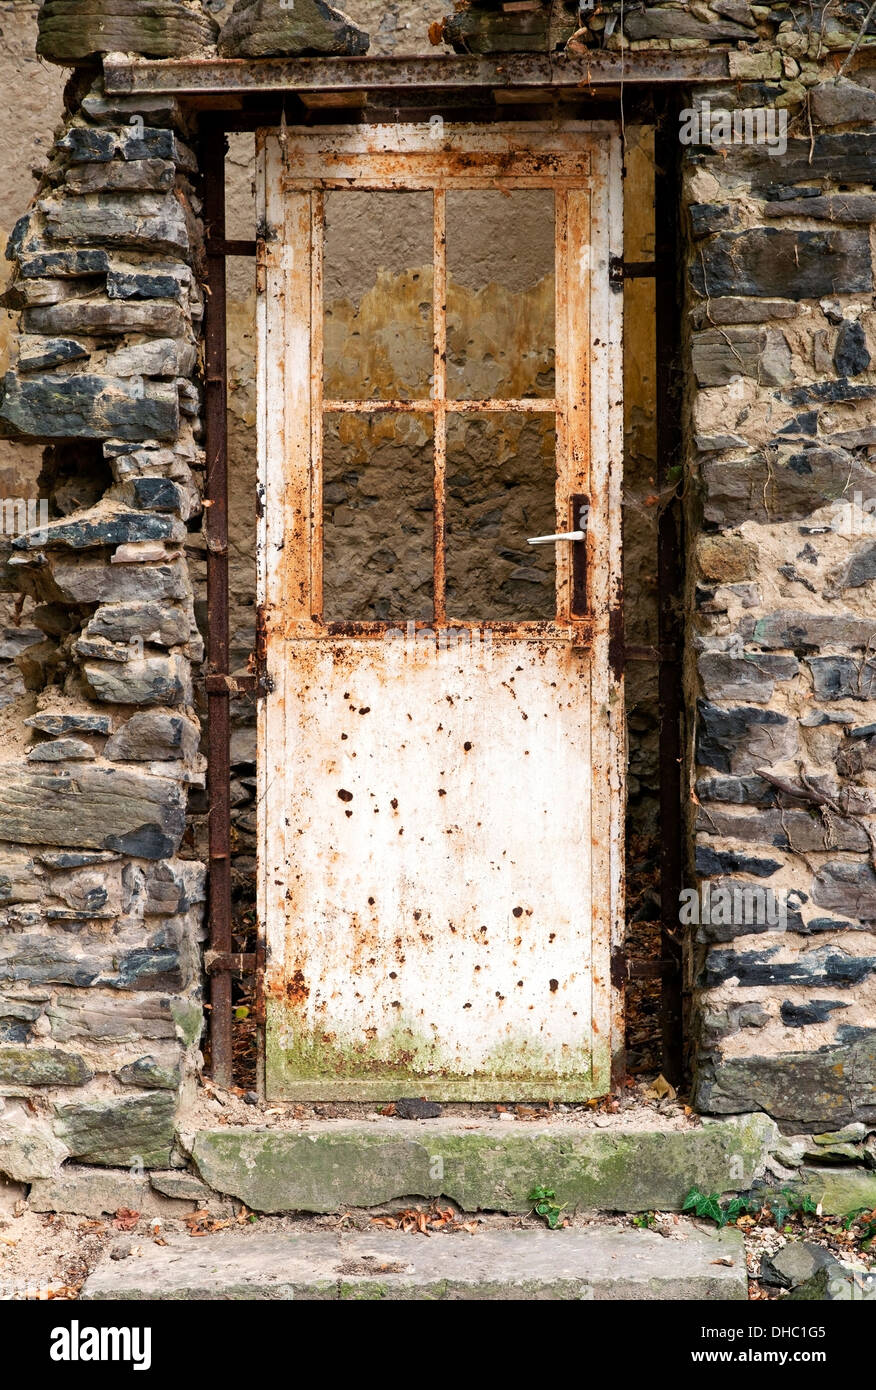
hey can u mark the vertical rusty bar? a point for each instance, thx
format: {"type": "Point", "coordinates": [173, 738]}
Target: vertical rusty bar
{"type": "Point", "coordinates": [216, 526]}
{"type": "Point", "coordinates": [317, 244]}
{"type": "Point", "coordinates": [669, 296]}
{"type": "Point", "coordinates": [439, 395]}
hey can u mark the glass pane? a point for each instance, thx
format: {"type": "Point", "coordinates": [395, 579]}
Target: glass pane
{"type": "Point", "coordinates": [377, 288]}
{"type": "Point", "coordinates": [377, 511]}
{"type": "Point", "coordinates": [500, 294]}
{"type": "Point", "coordinates": [501, 474]}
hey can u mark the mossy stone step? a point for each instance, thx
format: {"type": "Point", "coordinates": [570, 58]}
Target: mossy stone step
{"type": "Point", "coordinates": [334, 1165]}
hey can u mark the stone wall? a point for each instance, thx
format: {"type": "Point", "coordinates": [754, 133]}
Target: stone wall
{"type": "Point", "coordinates": [100, 907]}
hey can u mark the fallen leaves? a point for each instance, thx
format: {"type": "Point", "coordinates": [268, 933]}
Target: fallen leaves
{"type": "Point", "coordinates": [125, 1219]}
{"type": "Point", "coordinates": [202, 1223]}
{"type": "Point", "coordinates": [413, 1220]}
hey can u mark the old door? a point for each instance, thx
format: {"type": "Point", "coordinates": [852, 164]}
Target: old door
{"type": "Point", "coordinates": [440, 751]}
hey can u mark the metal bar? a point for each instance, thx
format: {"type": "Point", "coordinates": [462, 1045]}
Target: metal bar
{"type": "Point", "coordinates": [216, 526]}
{"type": "Point", "coordinates": [230, 962]}
{"type": "Point", "coordinates": [537, 404]}
{"type": "Point", "coordinates": [439, 396]}
{"type": "Point", "coordinates": [669, 298]}
{"type": "Point", "coordinates": [221, 247]}
{"type": "Point", "coordinates": [229, 76]}
{"type": "Point", "coordinates": [317, 241]}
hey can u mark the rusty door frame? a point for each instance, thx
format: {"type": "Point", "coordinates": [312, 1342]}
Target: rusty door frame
{"type": "Point", "coordinates": [575, 159]}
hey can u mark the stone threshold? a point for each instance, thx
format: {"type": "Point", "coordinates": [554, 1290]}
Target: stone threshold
{"type": "Point", "coordinates": [599, 1263]}
{"type": "Point", "coordinates": [339, 1165]}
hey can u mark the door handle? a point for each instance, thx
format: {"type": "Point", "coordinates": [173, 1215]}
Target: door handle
{"type": "Point", "coordinates": [563, 536]}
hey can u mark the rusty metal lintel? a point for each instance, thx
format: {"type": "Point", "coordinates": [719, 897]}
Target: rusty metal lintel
{"type": "Point", "coordinates": [229, 77]}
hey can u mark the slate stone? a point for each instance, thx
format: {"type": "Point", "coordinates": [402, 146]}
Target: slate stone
{"type": "Point", "coordinates": [120, 1131]}
{"type": "Point", "coordinates": [70, 32]}
{"type": "Point", "coordinates": [152, 680]}
{"type": "Point", "coordinates": [143, 221]}
{"type": "Point", "coordinates": [76, 264]}
{"type": "Point", "coordinates": [718, 356]}
{"type": "Point", "coordinates": [42, 1066]}
{"type": "Point", "coordinates": [149, 1075]}
{"type": "Point", "coordinates": [797, 628]}
{"type": "Point", "coordinates": [100, 808]}
{"type": "Point", "coordinates": [794, 1264]}
{"type": "Point", "coordinates": [805, 425]}
{"type": "Point", "coordinates": [139, 176]}
{"type": "Point", "coordinates": [59, 750]}
{"type": "Point", "coordinates": [83, 580]}
{"type": "Point", "coordinates": [803, 161]}
{"type": "Point", "coordinates": [736, 791]}
{"type": "Point", "coordinates": [743, 738]}
{"type": "Point", "coordinates": [87, 407]}
{"type": "Point", "coordinates": [654, 23]}
{"type": "Point", "coordinates": [842, 103]}
{"type": "Point", "coordinates": [802, 830]}
{"type": "Point", "coordinates": [819, 926]}
{"type": "Point", "coordinates": [159, 495]}
{"type": "Point", "coordinates": [712, 217]}
{"type": "Point", "coordinates": [843, 678]}
{"type": "Point", "coordinates": [160, 357]}
{"type": "Point", "coordinates": [85, 143]}
{"type": "Point", "coordinates": [147, 282]}
{"type": "Point", "coordinates": [411, 1108]}
{"type": "Point", "coordinates": [489, 29]}
{"type": "Point", "coordinates": [791, 487]}
{"type": "Point", "coordinates": [711, 862]}
{"type": "Point", "coordinates": [825, 967]}
{"type": "Point", "coordinates": [100, 317]}
{"type": "Point", "coordinates": [102, 526]}
{"type": "Point", "coordinates": [154, 737]}
{"type": "Point", "coordinates": [832, 207]}
{"type": "Point", "coordinates": [815, 1011]}
{"type": "Point", "coordinates": [845, 886]}
{"type": "Point", "coordinates": [842, 392]}
{"type": "Point", "coordinates": [850, 356]}
{"type": "Point", "coordinates": [726, 676]}
{"type": "Point", "coordinates": [808, 1090]}
{"type": "Point", "coordinates": [262, 28]}
{"type": "Point", "coordinates": [58, 725]}
{"type": "Point", "coordinates": [767, 261]}
{"type": "Point", "coordinates": [741, 309]}
{"type": "Point", "coordinates": [148, 968]}
{"type": "Point", "coordinates": [40, 354]}
{"type": "Point", "coordinates": [166, 625]}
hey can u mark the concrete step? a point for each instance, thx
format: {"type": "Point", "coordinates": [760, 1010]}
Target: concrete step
{"type": "Point", "coordinates": [599, 1262]}
{"type": "Point", "coordinates": [332, 1165]}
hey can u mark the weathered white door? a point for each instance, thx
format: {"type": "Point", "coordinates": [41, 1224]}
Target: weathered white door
{"type": "Point", "coordinates": [440, 752]}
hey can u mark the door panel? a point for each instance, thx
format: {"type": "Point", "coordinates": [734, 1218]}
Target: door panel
{"type": "Point", "coordinates": [440, 754]}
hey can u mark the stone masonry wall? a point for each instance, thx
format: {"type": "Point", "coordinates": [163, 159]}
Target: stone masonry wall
{"type": "Point", "coordinates": [100, 909]}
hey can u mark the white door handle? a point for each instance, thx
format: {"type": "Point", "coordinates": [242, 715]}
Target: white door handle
{"type": "Point", "coordinates": [563, 536]}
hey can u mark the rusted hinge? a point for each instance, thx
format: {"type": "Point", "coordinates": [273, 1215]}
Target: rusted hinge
{"type": "Point", "coordinates": [254, 685]}
{"type": "Point", "coordinates": [620, 270]}
{"type": "Point", "coordinates": [665, 653]}
{"type": "Point", "coordinates": [230, 962]}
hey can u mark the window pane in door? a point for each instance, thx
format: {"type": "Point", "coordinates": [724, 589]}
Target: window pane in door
{"type": "Point", "coordinates": [377, 517]}
{"type": "Point", "coordinates": [501, 482]}
{"type": "Point", "coordinates": [377, 295]}
{"type": "Point", "coordinates": [501, 292]}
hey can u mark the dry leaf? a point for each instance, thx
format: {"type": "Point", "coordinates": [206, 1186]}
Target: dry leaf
{"type": "Point", "coordinates": [125, 1219]}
